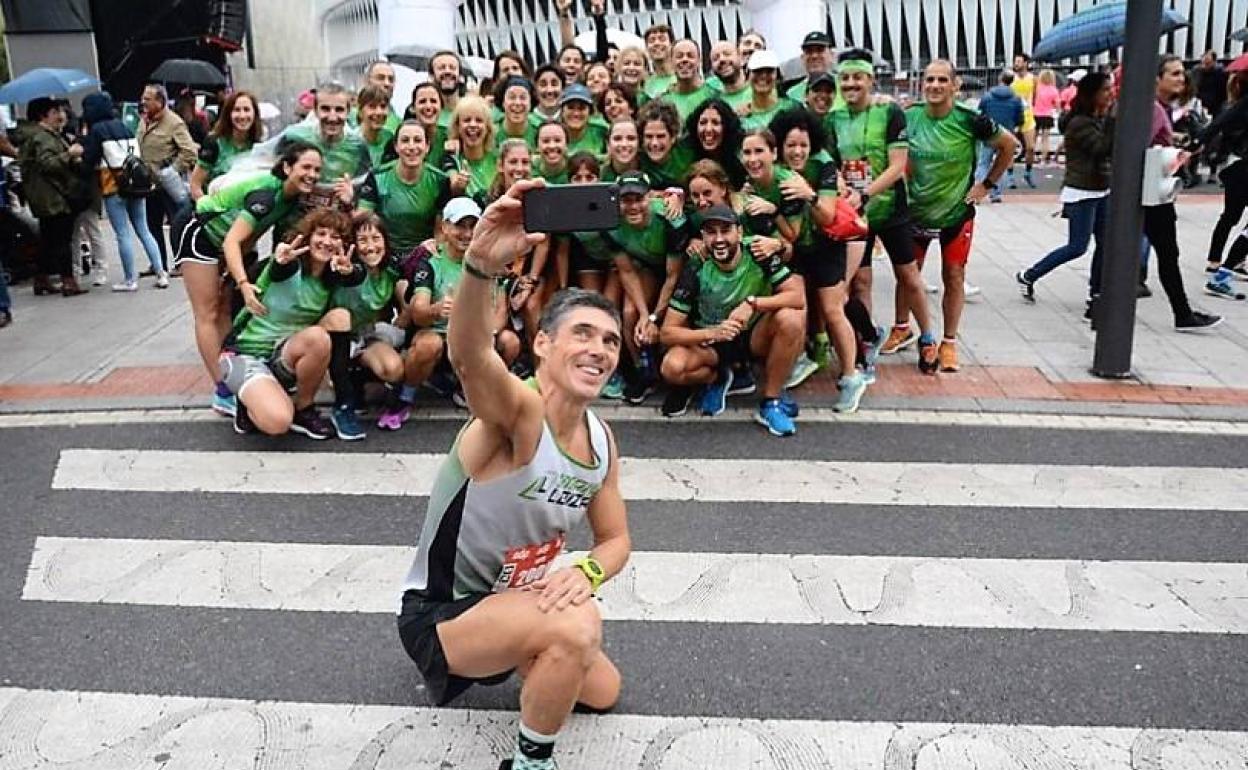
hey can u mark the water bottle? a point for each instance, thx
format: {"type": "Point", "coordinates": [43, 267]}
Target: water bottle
{"type": "Point", "coordinates": [646, 363]}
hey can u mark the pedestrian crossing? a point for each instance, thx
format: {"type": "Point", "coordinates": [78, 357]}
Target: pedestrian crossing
{"type": "Point", "coordinates": [236, 648]}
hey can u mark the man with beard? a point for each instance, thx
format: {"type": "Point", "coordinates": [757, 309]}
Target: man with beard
{"type": "Point", "coordinates": [729, 75]}
{"type": "Point", "coordinates": [733, 308]}
{"type": "Point", "coordinates": [868, 139]}
{"type": "Point", "coordinates": [689, 90]}
{"type": "Point", "coordinates": [446, 72]}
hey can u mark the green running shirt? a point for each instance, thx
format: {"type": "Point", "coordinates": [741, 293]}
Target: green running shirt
{"type": "Point", "coordinates": [218, 154]}
{"type": "Point", "coordinates": [655, 242]}
{"type": "Point", "coordinates": [295, 300]}
{"type": "Point", "coordinates": [366, 300]}
{"type": "Point", "coordinates": [860, 142]}
{"type": "Point", "coordinates": [408, 210]}
{"type": "Point", "coordinates": [942, 163]}
{"type": "Point", "coordinates": [259, 201]}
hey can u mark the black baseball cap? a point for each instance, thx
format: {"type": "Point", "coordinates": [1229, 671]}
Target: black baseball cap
{"type": "Point", "coordinates": [817, 38]}
{"type": "Point", "coordinates": [633, 182]}
{"type": "Point", "coordinates": [718, 213]}
{"type": "Point", "coordinates": [820, 79]}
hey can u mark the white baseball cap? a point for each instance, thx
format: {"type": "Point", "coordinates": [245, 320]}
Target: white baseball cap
{"type": "Point", "coordinates": [457, 209]}
{"type": "Point", "coordinates": [763, 59]}
{"type": "Point", "coordinates": [1077, 75]}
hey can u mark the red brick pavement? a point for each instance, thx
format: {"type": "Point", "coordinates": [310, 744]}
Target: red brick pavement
{"type": "Point", "coordinates": [895, 380]}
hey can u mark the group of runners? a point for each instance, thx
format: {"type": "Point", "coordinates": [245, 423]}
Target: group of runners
{"type": "Point", "coordinates": [741, 262]}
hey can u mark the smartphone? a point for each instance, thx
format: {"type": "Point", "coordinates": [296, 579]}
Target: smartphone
{"type": "Point", "coordinates": [567, 208]}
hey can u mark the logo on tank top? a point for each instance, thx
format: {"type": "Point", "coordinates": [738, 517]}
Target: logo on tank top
{"type": "Point", "coordinates": [562, 489]}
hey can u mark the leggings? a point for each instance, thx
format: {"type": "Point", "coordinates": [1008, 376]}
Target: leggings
{"type": "Point", "coordinates": [1235, 198]}
{"type": "Point", "coordinates": [1159, 227]}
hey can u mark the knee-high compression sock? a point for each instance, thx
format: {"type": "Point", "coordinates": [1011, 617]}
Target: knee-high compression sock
{"type": "Point", "coordinates": [340, 369]}
{"type": "Point", "coordinates": [860, 318]}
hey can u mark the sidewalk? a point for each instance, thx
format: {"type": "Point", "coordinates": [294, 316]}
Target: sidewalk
{"type": "Point", "coordinates": [108, 351]}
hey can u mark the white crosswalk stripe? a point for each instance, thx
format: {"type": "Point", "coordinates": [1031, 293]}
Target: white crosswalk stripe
{"type": "Point", "coordinates": [679, 587]}
{"type": "Point", "coordinates": [705, 480]}
{"type": "Point", "coordinates": [237, 733]}
{"type": "Point", "coordinates": [1188, 601]}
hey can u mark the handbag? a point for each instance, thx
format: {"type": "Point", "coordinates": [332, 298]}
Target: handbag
{"type": "Point", "coordinates": [848, 225]}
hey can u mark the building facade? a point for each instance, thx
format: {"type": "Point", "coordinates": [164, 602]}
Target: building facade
{"type": "Point", "coordinates": [977, 34]}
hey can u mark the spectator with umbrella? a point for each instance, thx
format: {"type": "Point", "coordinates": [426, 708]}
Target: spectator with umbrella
{"type": "Point", "coordinates": [52, 182]}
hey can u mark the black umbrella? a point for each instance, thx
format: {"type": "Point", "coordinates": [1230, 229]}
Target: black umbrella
{"type": "Point", "coordinates": [189, 72]}
{"type": "Point", "coordinates": [1240, 35]}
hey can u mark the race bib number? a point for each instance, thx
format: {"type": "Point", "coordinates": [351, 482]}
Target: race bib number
{"type": "Point", "coordinates": [528, 563]}
{"type": "Point", "coordinates": [857, 174]}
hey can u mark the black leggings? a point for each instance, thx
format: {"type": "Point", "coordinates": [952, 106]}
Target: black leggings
{"type": "Point", "coordinates": [1159, 226]}
{"type": "Point", "coordinates": [1235, 198]}
{"type": "Point", "coordinates": [55, 235]}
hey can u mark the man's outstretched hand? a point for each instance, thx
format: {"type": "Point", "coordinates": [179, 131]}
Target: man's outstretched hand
{"type": "Point", "coordinates": [499, 236]}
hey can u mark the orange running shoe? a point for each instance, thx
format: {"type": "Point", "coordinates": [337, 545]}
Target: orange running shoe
{"type": "Point", "coordinates": [948, 356]}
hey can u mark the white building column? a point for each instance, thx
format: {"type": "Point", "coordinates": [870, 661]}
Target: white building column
{"type": "Point", "coordinates": [415, 27]}
{"type": "Point", "coordinates": [785, 22]}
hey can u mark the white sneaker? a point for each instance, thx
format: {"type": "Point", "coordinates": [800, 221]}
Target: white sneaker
{"type": "Point", "coordinates": [126, 286]}
{"type": "Point", "coordinates": [971, 290]}
{"type": "Point", "coordinates": [162, 281]}
{"type": "Point", "coordinates": [100, 279]}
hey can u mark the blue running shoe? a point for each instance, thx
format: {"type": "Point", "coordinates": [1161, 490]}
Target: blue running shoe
{"type": "Point", "coordinates": [787, 403]}
{"type": "Point", "coordinates": [742, 382]}
{"type": "Point", "coordinates": [225, 404]}
{"type": "Point", "coordinates": [771, 415]}
{"type": "Point", "coordinates": [614, 389]}
{"type": "Point", "coordinates": [852, 387]}
{"type": "Point", "coordinates": [346, 425]}
{"type": "Point", "coordinates": [715, 396]}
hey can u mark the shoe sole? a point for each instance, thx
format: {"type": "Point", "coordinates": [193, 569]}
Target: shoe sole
{"type": "Point", "coordinates": [887, 351]}
{"type": "Point", "coordinates": [681, 413]}
{"type": "Point", "coordinates": [758, 418]}
{"type": "Point", "coordinates": [1233, 296]}
{"type": "Point", "coordinates": [223, 411]}
{"type": "Point", "coordinates": [742, 391]}
{"type": "Point", "coordinates": [349, 436]}
{"type": "Point", "coordinates": [798, 380]}
{"type": "Point", "coordinates": [852, 406]}
{"type": "Point", "coordinates": [302, 431]}
{"type": "Point", "coordinates": [1198, 329]}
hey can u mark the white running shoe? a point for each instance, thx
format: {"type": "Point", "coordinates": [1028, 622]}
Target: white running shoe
{"type": "Point", "coordinates": [126, 286]}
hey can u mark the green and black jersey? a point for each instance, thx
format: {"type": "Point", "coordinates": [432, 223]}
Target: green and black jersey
{"type": "Point", "coordinates": [259, 201]}
{"type": "Point", "coordinates": [295, 300]}
{"type": "Point", "coordinates": [367, 300]}
{"type": "Point", "coordinates": [218, 154]}
{"type": "Point", "coordinates": [707, 293]}
{"type": "Point", "coordinates": [655, 242]}
{"type": "Point", "coordinates": [798, 213]}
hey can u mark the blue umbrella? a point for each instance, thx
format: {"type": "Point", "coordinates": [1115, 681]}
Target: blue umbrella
{"type": "Point", "coordinates": [1095, 30]}
{"type": "Point", "coordinates": [45, 82]}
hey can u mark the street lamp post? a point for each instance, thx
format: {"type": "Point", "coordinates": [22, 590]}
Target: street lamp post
{"type": "Point", "coordinates": [1114, 311]}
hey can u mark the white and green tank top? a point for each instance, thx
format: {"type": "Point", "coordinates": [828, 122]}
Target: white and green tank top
{"type": "Point", "coordinates": [482, 537]}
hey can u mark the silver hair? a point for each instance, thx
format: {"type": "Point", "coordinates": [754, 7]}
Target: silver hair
{"type": "Point", "coordinates": [567, 300]}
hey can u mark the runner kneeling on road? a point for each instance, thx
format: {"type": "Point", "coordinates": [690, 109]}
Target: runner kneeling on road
{"type": "Point", "coordinates": [480, 600]}
{"type": "Point", "coordinates": [283, 337]}
{"type": "Point", "coordinates": [741, 309]}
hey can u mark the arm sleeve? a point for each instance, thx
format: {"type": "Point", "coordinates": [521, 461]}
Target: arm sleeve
{"type": "Point", "coordinates": [678, 236]}
{"type": "Point", "coordinates": [258, 205]}
{"type": "Point", "coordinates": [777, 272]}
{"type": "Point", "coordinates": [834, 149]}
{"type": "Point", "coordinates": [983, 128]}
{"type": "Point", "coordinates": [354, 278]}
{"type": "Point", "coordinates": [283, 272]}
{"type": "Point", "coordinates": [896, 134]}
{"type": "Point", "coordinates": [209, 154]}
{"type": "Point", "coordinates": [92, 149]}
{"type": "Point", "coordinates": [187, 151]}
{"type": "Point", "coordinates": [827, 180]}
{"type": "Point", "coordinates": [1236, 115]}
{"type": "Point", "coordinates": [422, 278]}
{"type": "Point", "coordinates": [369, 193]}
{"type": "Point", "coordinates": [686, 291]}
{"type": "Point", "coordinates": [600, 38]}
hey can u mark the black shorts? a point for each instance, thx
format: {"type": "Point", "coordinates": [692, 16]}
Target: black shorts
{"type": "Point", "coordinates": [821, 263]}
{"type": "Point", "coordinates": [418, 623]}
{"type": "Point", "coordinates": [1044, 122]}
{"type": "Point", "coordinates": [195, 246]}
{"type": "Point", "coordinates": [898, 243]}
{"type": "Point", "coordinates": [580, 262]}
{"type": "Point", "coordinates": [737, 350]}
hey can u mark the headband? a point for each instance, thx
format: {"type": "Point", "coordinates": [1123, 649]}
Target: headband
{"type": "Point", "coordinates": [856, 65]}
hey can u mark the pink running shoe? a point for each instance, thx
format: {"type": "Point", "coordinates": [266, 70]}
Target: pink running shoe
{"type": "Point", "coordinates": [394, 417]}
